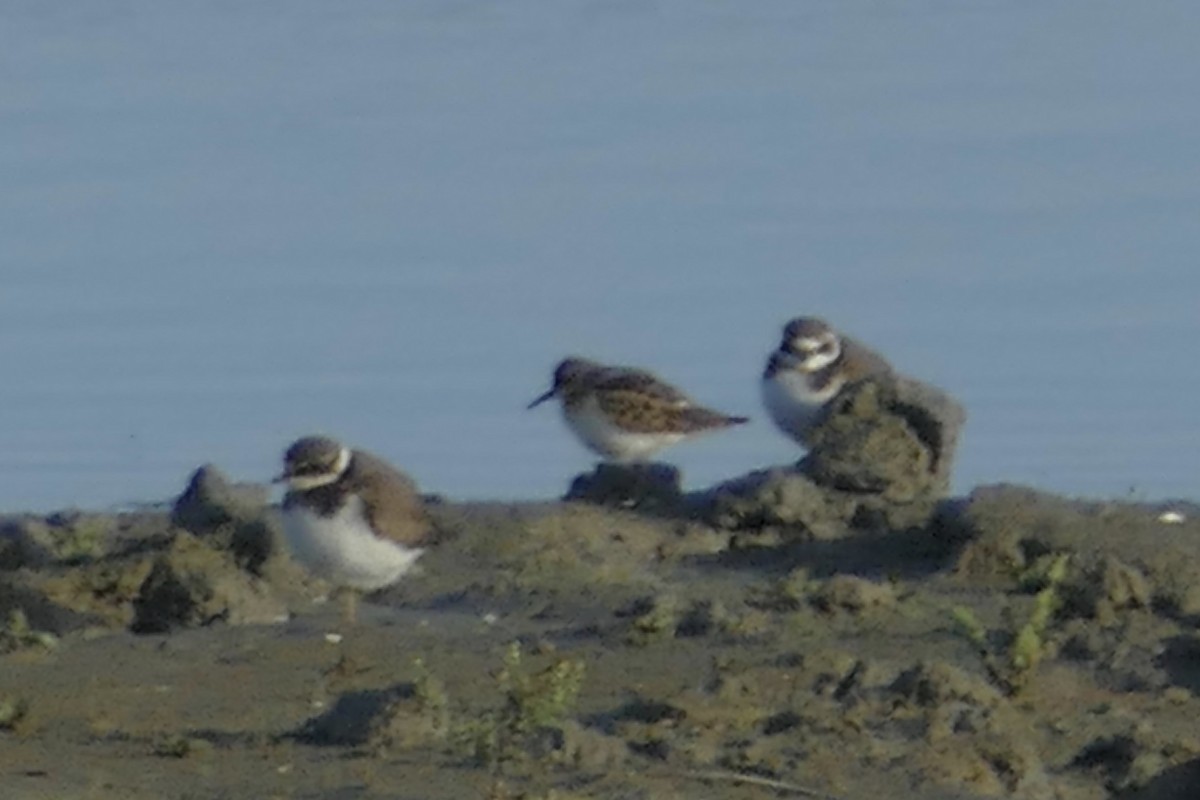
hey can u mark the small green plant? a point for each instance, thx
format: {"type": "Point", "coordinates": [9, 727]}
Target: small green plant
{"type": "Point", "coordinates": [969, 626]}
{"type": "Point", "coordinates": [656, 618]}
{"type": "Point", "coordinates": [539, 699]}
{"type": "Point", "coordinates": [530, 703]}
{"type": "Point", "coordinates": [1028, 644]}
{"type": "Point", "coordinates": [12, 712]}
{"type": "Point", "coordinates": [433, 704]}
{"type": "Point", "coordinates": [1044, 572]}
{"type": "Point", "coordinates": [1010, 664]}
{"type": "Point", "coordinates": [17, 634]}
{"type": "Point", "coordinates": [173, 746]}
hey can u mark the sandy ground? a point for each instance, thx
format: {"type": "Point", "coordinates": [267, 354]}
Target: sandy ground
{"type": "Point", "coordinates": [1015, 645]}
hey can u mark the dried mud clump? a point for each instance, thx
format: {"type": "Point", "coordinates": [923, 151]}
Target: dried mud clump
{"type": "Point", "coordinates": [852, 594]}
{"type": "Point", "coordinates": [1012, 525]}
{"type": "Point", "coordinates": [1122, 555]}
{"type": "Point", "coordinates": [231, 516]}
{"type": "Point", "coordinates": [890, 436]}
{"type": "Point", "coordinates": [236, 518]}
{"type": "Point", "coordinates": [781, 498]}
{"type": "Point", "coordinates": [46, 604]}
{"type": "Point", "coordinates": [879, 459]}
{"type": "Point", "coordinates": [939, 728]}
{"type": "Point", "coordinates": [1139, 762]}
{"type": "Point", "coordinates": [971, 736]}
{"type": "Point", "coordinates": [67, 537]}
{"type": "Point", "coordinates": [139, 570]}
{"type": "Point", "coordinates": [71, 570]}
{"type": "Point", "coordinates": [193, 584]}
{"type": "Point", "coordinates": [94, 595]}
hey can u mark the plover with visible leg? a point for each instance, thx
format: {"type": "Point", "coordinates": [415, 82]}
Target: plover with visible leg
{"type": "Point", "coordinates": [350, 517]}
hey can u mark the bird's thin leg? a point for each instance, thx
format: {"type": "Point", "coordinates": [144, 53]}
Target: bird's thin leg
{"type": "Point", "coordinates": [349, 602]}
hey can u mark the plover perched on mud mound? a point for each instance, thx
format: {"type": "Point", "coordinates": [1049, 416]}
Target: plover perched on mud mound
{"type": "Point", "coordinates": [812, 364]}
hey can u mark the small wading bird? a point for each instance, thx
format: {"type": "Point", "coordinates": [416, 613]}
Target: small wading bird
{"type": "Point", "coordinates": [350, 517]}
{"type": "Point", "coordinates": [812, 364]}
{"type": "Point", "coordinates": [624, 414]}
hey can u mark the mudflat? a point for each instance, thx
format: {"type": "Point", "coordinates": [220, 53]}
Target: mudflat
{"type": "Point", "coordinates": [1014, 644]}
{"type": "Point", "coordinates": [837, 628]}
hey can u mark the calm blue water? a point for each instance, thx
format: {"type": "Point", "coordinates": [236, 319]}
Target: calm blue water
{"type": "Point", "coordinates": [224, 225]}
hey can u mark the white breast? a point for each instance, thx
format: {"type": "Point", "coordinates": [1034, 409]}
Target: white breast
{"type": "Point", "coordinates": [344, 550]}
{"type": "Point", "coordinates": [596, 431]}
{"type": "Point", "coordinates": [792, 403]}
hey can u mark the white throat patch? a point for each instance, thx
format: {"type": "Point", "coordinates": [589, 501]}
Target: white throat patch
{"type": "Point", "coordinates": [302, 483]}
{"type": "Point", "coordinates": [814, 360]}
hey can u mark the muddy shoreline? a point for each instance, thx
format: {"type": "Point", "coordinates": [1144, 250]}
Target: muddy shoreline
{"type": "Point", "coordinates": [1011, 644]}
{"type": "Point", "coordinates": [836, 628]}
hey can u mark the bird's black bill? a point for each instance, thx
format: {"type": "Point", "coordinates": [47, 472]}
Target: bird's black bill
{"type": "Point", "coordinates": [541, 399]}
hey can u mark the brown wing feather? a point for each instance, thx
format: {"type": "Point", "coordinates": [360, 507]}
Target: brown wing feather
{"type": "Point", "coordinates": [621, 379]}
{"type": "Point", "coordinates": [642, 413]}
{"type": "Point", "coordinates": [401, 516]}
{"type": "Point", "coordinates": [859, 361]}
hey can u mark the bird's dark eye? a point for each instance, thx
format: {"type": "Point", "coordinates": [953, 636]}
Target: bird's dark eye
{"type": "Point", "coordinates": [826, 348]}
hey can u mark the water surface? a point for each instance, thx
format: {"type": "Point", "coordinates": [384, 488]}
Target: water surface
{"type": "Point", "coordinates": [225, 225]}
